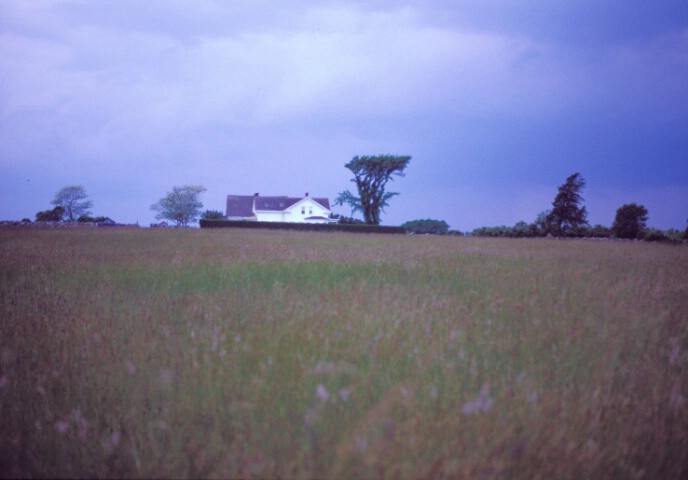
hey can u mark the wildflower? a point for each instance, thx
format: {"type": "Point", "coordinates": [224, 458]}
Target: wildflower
{"type": "Point", "coordinates": [165, 378]}
{"type": "Point", "coordinates": [131, 368]}
{"type": "Point", "coordinates": [111, 443]}
{"type": "Point", "coordinates": [454, 335]}
{"type": "Point", "coordinates": [82, 424]}
{"type": "Point", "coordinates": [310, 417]}
{"type": "Point", "coordinates": [480, 405]}
{"type": "Point", "coordinates": [344, 394]}
{"type": "Point", "coordinates": [322, 393]}
{"type": "Point", "coordinates": [361, 444]}
{"type": "Point", "coordinates": [388, 430]}
{"type": "Point", "coordinates": [215, 340]}
{"type": "Point", "coordinates": [237, 338]}
{"type": "Point", "coordinates": [62, 427]}
{"type": "Point", "coordinates": [676, 399]}
{"type": "Point", "coordinates": [114, 438]}
{"type": "Point", "coordinates": [334, 368]}
{"type": "Point", "coordinates": [674, 354]}
{"type": "Point", "coordinates": [533, 398]}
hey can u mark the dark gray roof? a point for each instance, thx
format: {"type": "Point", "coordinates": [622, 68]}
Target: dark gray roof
{"type": "Point", "coordinates": [275, 203]}
{"type": "Point", "coordinates": [242, 205]}
{"type": "Point", "coordinates": [239, 206]}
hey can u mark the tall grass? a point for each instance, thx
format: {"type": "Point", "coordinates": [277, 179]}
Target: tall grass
{"type": "Point", "coordinates": [232, 354]}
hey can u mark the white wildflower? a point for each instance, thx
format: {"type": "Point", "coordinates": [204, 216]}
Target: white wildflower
{"type": "Point", "coordinates": [322, 393]}
{"type": "Point", "coordinates": [675, 351]}
{"type": "Point", "coordinates": [62, 427]}
{"type": "Point", "coordinates": [481, 404]}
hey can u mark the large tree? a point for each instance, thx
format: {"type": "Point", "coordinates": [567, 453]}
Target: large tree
{"type": "Point", "coordinates": [630, 221]}
{"type": "Point", "coordinates": [182, 205]}
{"type": "Point", "coordinates": [73, 200]}
{"type": "Point", "coordinates": [371, 174]}
{"type": "Point", "coordinates": [567, 212]}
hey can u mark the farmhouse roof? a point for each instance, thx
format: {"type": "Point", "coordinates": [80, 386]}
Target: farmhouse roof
{"type": "Point", "coordinates": [243, 205]}
{"type": "Point", "coordinates": [239, 205]}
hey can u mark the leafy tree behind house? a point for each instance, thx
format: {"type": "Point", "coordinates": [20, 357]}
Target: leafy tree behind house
{"type": "Point", "coordinates": [181, 205]}
{"type": "Point", "coordinates": [371, 175]}
{"type": "Point", "coordinates": [74, 201]}
{"type": "Point", "coordinates": [567, 213]}
{"type": "Point", "coordinates": [630, 221]}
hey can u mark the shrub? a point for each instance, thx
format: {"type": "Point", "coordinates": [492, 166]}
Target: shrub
{"type": "Point", "coordinates": [655, 235]}
{"type": "Point", "coordinates": [212, 215]}
{"type": "Point", "coordinates": [89, 219]}
{"type": "Point", "coordinates": [427, 226]}
{"type": "Point", "coordinates": [54, 215]}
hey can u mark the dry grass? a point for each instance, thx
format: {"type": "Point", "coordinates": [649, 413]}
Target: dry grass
{"type": "Point", "coordinates": [235, 354]}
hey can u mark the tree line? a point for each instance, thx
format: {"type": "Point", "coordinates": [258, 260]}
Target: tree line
{"type": "Point", "coordinates": [566, 219]}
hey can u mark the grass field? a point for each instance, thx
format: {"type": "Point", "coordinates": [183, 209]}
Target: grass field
{"type": "Point", "coordinates": [240, 354]}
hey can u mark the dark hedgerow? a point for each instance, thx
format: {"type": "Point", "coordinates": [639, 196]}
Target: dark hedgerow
{"type": "Point", "coordinates": [300, 226]}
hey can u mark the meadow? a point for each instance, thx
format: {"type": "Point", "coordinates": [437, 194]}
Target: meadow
{"type": "Point", "coordinates": [267, 354]}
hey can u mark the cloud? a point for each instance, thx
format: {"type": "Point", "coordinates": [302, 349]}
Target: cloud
{"type": "Point", "coordinates": [501, 98]}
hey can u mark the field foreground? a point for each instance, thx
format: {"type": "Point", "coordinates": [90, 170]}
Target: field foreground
{"type": "Point", "coordinates": [252, 354]}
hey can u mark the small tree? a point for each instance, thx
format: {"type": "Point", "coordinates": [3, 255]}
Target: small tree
{"type": "Point", "coordinates": [182, 205]}
{"type": "Point", "coordinates": [371, 175]}
{"type": "Point", "coordinates": [435, 227]}
{"type": "Point", "coordinates": [73, 200]}
{"type": "Point", "coordinates": [567, 214]}
{"type": "Point", "coordinates": [630, 221]}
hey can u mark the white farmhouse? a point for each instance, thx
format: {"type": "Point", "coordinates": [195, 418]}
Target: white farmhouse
{"type": "Point", "coordinates": [279, 209]}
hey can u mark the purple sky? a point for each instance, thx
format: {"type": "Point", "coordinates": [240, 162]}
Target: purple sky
{"type": "Point", "coordinates": [498, 101]}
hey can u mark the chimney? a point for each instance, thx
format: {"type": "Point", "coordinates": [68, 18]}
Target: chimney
{"type": "Point", "coordinates": [306, 193]}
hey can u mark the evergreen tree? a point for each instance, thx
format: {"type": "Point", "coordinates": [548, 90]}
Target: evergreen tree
{"type": "Point", "coordinates": [567, 212]}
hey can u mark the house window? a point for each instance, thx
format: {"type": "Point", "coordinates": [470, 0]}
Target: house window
{"type": "Point", "coordinates": [303, 210]}
{"type": "Point", "coordinates": [310, 211]}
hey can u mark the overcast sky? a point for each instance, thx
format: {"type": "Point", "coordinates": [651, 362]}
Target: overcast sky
{"type": "Point", "coordinates": [497, 101]}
